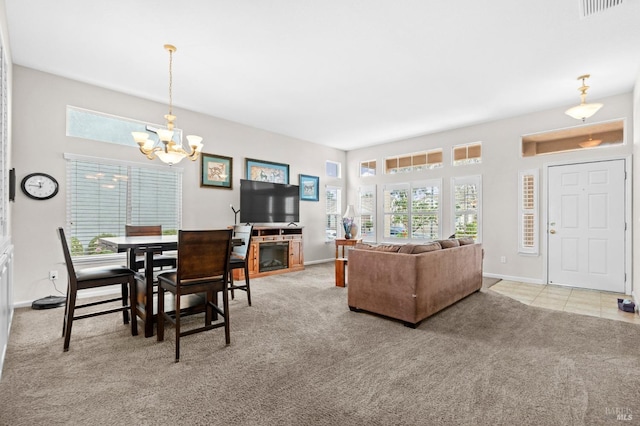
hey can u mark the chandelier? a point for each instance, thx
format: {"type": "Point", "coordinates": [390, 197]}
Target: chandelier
{"type": "Point", "coordinates": [166, 149]}
{"type": "Point", "coordinates": [584, 110]}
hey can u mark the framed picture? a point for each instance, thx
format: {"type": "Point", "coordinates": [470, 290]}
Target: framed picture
{"type": "Point", "coordinates": [216, 171]}
{"type": "Point", "coordinates": [266, 171]}
{"type": "Point", "coordinates": [309, 188]}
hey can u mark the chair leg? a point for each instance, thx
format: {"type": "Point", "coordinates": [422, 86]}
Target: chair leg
{"type": "Point", "coordinates": [66, 309]}
{"type": "Point", "coordinates": [71, 307]}
{"type": "Point", "coordinates": [160, 319]}
{"type": "Point", "coordinates": [214, 299]}
{"type": "Point", "coordinates": [246, 277]}
{"type": "Point", "coordinates": [231, 284]}
{"type": "Point", "coordinates": [208, 313]}
{"type": "Point", "coordinates": [177, 327]}
{"type": "Point", "coordinates": [225, 305]}
{"type": "Point", "coordinates": [125, 297]}
{"type": "Point", "coordinates": [133, 305]}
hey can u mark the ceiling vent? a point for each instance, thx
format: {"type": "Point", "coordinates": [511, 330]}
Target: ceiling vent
{"type": "Point", "coordinates": [593, 7]}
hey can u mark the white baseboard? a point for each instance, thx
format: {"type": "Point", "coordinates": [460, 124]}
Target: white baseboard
{"type": "Point", "coordinates": [316, 262]}
{"type": "Point", "coordinates": [84, 294]}
{"type": "Point", "coordinates": [512, 278]}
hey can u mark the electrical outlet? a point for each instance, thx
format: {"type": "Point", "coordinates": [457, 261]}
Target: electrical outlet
{"type": "Point", "coordinates": [53, 275]}
{"type": "Point", "coordinates": [503, 259]}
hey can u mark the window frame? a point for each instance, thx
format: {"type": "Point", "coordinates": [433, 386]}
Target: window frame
{"type": "Point", "coordinates": [408, 233]}
{"type": "Point", "coordinates": [133, 168]}
{"type": "Point", "coordinates": [467, 157]}
{"type": "Point", "coordinates": [337, 213]}
{"type": "Point", "coordinates": [528, 192]}
{"type": "Point", "coordinates": [467, 180]}
{"type": "Point", "coordinates": [413, 162]}
{"type": "Point", "coordinates": [364, 211]}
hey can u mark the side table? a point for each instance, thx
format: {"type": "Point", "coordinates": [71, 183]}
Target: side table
{"type": "Point", "coordinates": [341, 261]}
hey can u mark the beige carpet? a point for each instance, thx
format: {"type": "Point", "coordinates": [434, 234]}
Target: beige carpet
{"type": "Point", "coordinates": [300, 357]}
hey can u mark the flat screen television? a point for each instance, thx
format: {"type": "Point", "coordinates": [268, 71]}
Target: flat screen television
{"type": "Point", "coordinates": [267, 202]}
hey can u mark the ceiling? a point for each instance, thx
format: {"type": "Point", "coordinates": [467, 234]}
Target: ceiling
{"type": "Point", "coordinates": [343, 73]}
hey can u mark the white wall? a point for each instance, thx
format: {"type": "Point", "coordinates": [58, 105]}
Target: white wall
{"type": "Point", "coordinates": [39, 112]}
{"type": "Point", "coordinates": [501, 162]}
{"type": "Point", "coordinates": [6, 249]}
{"type": "Point", "coordinates": [636, 189]}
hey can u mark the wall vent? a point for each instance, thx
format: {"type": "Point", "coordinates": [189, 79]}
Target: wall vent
{"type": "Point", "coordinates": [593, 7]}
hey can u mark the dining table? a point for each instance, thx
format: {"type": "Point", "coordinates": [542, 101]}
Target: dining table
{"type": "Point", "coordinates": [148, 245]}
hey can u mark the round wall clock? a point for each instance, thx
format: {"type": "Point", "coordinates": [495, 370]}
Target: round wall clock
{"type": "Point", "coordinates": [39, 186]}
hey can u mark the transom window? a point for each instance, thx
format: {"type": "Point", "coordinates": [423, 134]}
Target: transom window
{"type": "Point", "coordinates": [368, 168]}
{"type": "Point", "coordinates": [467, 154]}
{"type": "Point", "coordinates": [414, 162]}
{"type": "Point", "coordinates": [333, 169]}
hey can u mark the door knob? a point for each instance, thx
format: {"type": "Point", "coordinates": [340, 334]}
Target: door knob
{"type": "Point", "coordinates": [553, 231]}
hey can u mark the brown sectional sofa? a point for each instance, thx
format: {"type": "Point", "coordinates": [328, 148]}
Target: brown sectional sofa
{"type": "Point", "coordinates": [412, 282]}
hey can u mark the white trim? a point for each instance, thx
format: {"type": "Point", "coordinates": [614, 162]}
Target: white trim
{"type": "Point", "coordinates": [115, 162]}
{"type": "Point", "coordinates": [452, 191]}
{"type": "Point", "coordinates": [514, 278]}
{"type": "Point", "coordinates": [535, 211]}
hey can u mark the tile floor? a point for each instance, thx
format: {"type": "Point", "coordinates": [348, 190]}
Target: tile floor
{"type": "Point", "coordinates": [580, 301]}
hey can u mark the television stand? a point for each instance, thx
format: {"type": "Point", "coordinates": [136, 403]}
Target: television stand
{"type": "Point", "coordinates": [273, 250]}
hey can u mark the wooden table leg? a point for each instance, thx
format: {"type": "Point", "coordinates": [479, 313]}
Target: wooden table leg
{"type": "Point", "coordinates": [341, 264]}
{"type": "Point", "coordinates": [148, 272]}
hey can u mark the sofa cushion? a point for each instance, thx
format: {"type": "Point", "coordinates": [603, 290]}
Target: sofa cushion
{"type": "Point", "coordinates": [364, 246]}
{"type": "Point", "coordinates": [449, 243]}
{"type": "Point", "coordinates": [407, 248]}
{"type": "Point", "coordinates": [466, 240]}
{"type": "Point", "coordinates": [393, 248]}
{"type": "Point", "coordinates": [424, 248]}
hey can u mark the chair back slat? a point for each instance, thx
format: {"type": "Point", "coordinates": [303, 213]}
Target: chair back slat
{"type": "Point", "coordinates": [142, 230]}
{"type": "Point", "coordinates": [244, 232]}
{"type": "Point", "coordinates": [203, 254]}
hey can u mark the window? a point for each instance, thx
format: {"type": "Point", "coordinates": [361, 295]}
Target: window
{"type": "Point", "coordinates": [414, 162]}
{"type": "Point", "coordinates": [396, 210]}
{"type": "Point", "coordinates": [467, 203]}
{"type": "Point", "coordinates": [528, 211]}
{"type": "Point", "coordinates": [591, 136]}
{"type": "Point", "coordinates": [97, 126]}
{"type": "Point", "coordinates": [334, 208]}
{"type": "Point", "coordinates": [413, 210]}
{"type": "Point", "coordinates": [367, 210]}
{"type": "Point", "coordinates": [425, 210]}
{"type": "Point", "coordinates": [368, 168]}
{"type": "Point", "coordinates": [333, 169]}
{"type": "Point", "coordinates": [103, 196]}
{"type": "Point", "coordinates": [467, 154]}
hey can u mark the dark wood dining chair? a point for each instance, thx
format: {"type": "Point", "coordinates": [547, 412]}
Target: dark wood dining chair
{"type": "Point", "coordinates": [92, 278]}
{"type": "Point", "coordinates": [203, 267]}
{"type": "Point", "coordinates": [160, 260]}
{"type": "Point", "coordinates": [239, 259]}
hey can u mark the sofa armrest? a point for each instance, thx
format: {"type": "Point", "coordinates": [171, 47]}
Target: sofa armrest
{"type": "Point", "coordinates": [383, 282]}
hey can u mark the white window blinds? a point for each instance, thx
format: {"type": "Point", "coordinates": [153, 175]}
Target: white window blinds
{"type": "Point", "coordinates": [103, 196]}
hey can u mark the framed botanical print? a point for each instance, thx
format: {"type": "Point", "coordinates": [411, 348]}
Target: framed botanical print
{"type": "Point", "coordinates": [216, 171]}
{"type": "Point", "coordinates": [267, 171]}
{"type": "Point", "coordinates": [309, 187]}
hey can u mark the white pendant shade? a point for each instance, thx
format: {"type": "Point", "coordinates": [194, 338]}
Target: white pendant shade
{"type": "Point", "coordinates": [583, 111]}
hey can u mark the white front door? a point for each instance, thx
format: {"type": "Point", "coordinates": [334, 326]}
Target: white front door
{"type": "Point", "coordinates": [586, 229]}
